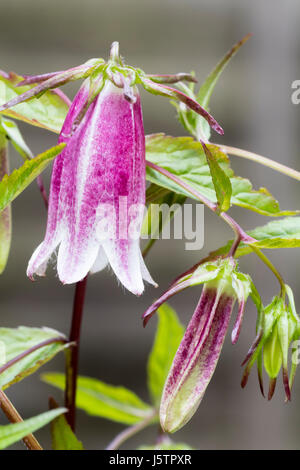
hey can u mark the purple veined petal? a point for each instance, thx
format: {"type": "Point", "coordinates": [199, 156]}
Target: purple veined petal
{"type": "Point", "coordinates": [196, 358]}
{"type": "Point", "coordinates": [39, 259]}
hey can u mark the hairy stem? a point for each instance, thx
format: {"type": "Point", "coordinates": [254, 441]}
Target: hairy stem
{"type": "Point", "coordinates": [262, 160]}
{"type": "Point", "coordinates": [72, 356]}
{"type": "Point", "coordinates": [13, 416]}
{"type": "Point", "coordinates": [129, 432]}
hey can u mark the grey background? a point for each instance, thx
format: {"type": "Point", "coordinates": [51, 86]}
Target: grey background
{"type": "Point", "coordinates": [252, 101]}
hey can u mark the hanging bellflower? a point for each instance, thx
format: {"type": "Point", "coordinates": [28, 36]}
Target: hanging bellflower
{"type": "Point", "coordinates": [97, 193]}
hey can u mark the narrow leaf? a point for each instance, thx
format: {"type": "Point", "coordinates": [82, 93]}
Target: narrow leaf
{"type": "Point", "coordinates": [5, 215]}
{"type": "Point", "coordinates": [11, 186]}
{"type": "Point", "coordinates": [13, 133]}
{"type": "Point", "coordinates": [11, 433]}
{"type": "Point", "coordinates": [106, 401]}
{"type": "Point", "coordinates": [220, 180]}
{"type": "Point", "coordinates": [208, 86]}
{"type": "Point", "coordinates": [63, 438]}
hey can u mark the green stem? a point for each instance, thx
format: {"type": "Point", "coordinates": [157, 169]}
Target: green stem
{"type": "Point", "coordinates": [260, 159]}
{"type": "Point", "coordinates": [268, 263]}
{"type": "Point", "coordinates": [129, 432]}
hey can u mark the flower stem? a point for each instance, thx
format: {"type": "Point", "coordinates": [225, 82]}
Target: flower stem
{"type": "Point", "coordinates": [72, 356]}
{"type": "Point", "coordinates": [268, 263]}
{"type": "Point", "coordinates": [262, 160]}
{"type": "Point", "coordinates": [129, 432]}
{"type": "Point", "coordinates": [13, 416]}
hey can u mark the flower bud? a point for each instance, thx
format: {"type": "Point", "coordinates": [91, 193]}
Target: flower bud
{"type": "Point", "coordinates": [200, 348]}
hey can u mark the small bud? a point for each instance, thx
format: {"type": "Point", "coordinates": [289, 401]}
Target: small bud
{"type": "Point", "coordinates": [278, 327]}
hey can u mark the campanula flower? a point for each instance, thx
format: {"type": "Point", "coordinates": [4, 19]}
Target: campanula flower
{"type": "Point", "coordinates": [97, 192]}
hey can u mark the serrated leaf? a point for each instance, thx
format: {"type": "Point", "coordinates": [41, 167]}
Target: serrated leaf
{"type": "Point", "coordinates": [168, 336]}
{"type": "Point", "coordinates": [283, 233]}
{"type": "Point", "coordinates": [11, 433]}
{"type": "Point", "coordinates": [105, 401]}
{"type": "Point", "coordinates": [185, 157]}
{"type": "Point", "coordinates": [5, 215]}
{"type": "Point", "coordinates": [15, 341]}
{"type": "Point", "coordinates": [220, 180]}
{"type": "Point", "coordinates": [63, 438]}
{"type": "Point", "coordinates": [49, 111]}
{"type": "Point", "coordinates": [11, 186]}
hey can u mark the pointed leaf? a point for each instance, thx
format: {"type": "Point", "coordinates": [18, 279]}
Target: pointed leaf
{"type": "Point", "coordinates": [13, 133]}
{"type": "Point", "coordinates": [106, 401]}
{"type": "Point", "coordinates": [11, 186]}
{"type": "Point", "coordinates": [185, 158]}
{"type": "Point", "coordinates": [5, 215]}
{"type": "Point", "coordinates": [11, 433]}
{"type": "Point", "coordinates": [16, 341]}
{"type": "Point", "coordinates": [63, 438]}
{"type": "Point", "coordinates": [48, 111]}
{"type": "Point", "coordinates": [168, 337]}
{"type": "Point", "coordinates": [220, 180]}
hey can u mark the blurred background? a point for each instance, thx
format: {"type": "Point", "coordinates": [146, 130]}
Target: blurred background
{"type": "Point", "coordinates": [253, 103]}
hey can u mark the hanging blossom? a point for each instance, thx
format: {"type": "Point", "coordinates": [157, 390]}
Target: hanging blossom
{"type": "Point", "coordinates": [97, 193]}
{"type": "Point", "coordinates": [278, 326]}
{"type": "Point", "coordinates": [198, 353]}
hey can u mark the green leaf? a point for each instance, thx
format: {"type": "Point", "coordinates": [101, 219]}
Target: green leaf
{"type": "Point", "coordinates": [11, 186]}
{"type": "Point", "coordinates": [63, 438]}
{"type": "Point", "coordinates": [185, 158]}
{"type": "Point", "coordinates": [11, 433]}
{"type": "Point", "coordinates": [220, 180]}
{"type": "Point", "coordinates": [106, 401]}
{"type": "Point", "coordinates": [5, 215]}
{"type": "Point", "coordinates": [283, 233]}
{"type": "Point", "coordinates": [13, 133]}
{"type": "Point", "coordinates": [49, 111]}
{"type": "Point", "coordinates": [15, 341]}
{"type": "Point", "coordinates": [168, 336]}
{"type": "Point", "coordinates": [206, 89]}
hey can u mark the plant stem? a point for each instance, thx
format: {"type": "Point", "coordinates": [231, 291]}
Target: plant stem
{"type": "Point", "coordinates": [72, 355]}
{"type": "Point", "coordinates": [262, 160]}
{"type": "Point", "coordinates": [268, 263]}
{"type": "Point", "coordinates": [13, 416]}
{"type": "Point", "coordinates": [129, 432]}
{"type": "Point", "coordinates": [23, 354]}
{"type": "Point", "coordinates": [42, 189]}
